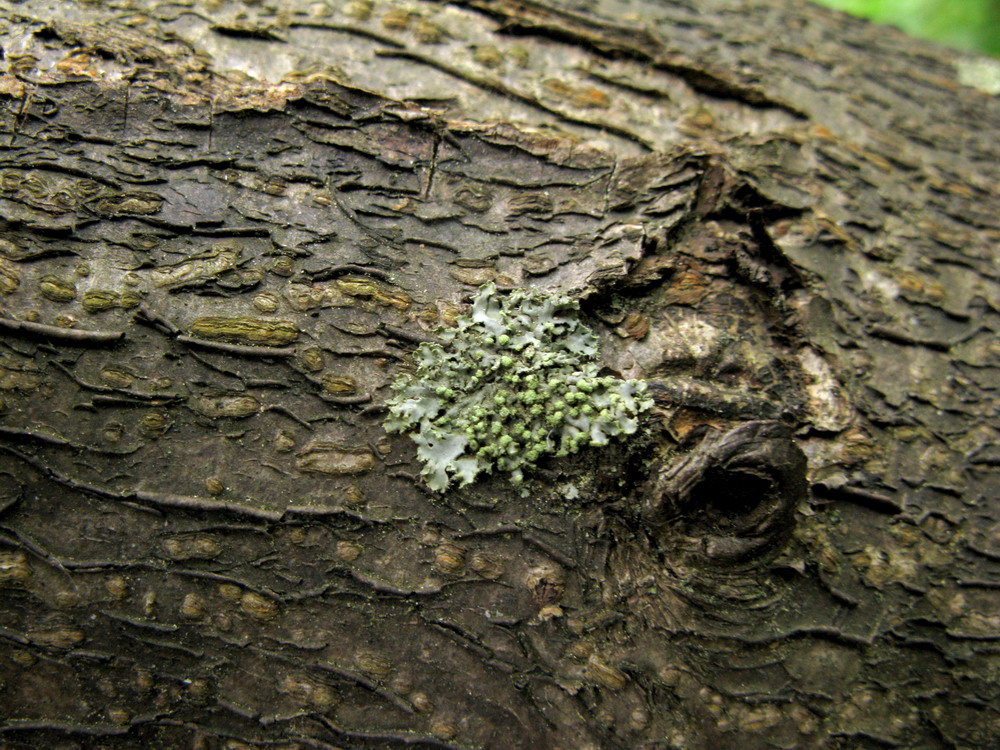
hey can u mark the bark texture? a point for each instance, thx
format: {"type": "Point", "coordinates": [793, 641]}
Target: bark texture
{"type": "Point", "coordinates": [224, 227]}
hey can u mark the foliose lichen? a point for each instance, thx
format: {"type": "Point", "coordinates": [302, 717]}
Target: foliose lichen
{"type": "Point", "coordinates": [514, 381]}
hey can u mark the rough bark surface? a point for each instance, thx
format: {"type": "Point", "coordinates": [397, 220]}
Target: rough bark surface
{"type": "Point", "coordinates": [223, 228]}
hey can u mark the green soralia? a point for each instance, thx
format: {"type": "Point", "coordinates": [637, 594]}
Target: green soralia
{"type": "Point", "coordinates": [514, 381]}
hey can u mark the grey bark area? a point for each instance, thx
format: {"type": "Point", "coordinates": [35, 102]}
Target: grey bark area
{"type": "Point", "coordinates": [224, 229]}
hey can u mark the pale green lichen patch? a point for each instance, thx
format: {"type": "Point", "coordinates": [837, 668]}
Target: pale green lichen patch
{"type": "Point", "coordinates": [512, 382]}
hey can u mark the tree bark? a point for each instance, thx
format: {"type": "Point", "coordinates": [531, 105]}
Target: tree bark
{"type": "Point", "coordinates": [225, 227]}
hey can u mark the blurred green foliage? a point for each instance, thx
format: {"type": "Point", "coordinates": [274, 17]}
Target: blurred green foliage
{"type": "Point", "coordinates": [966, 24]}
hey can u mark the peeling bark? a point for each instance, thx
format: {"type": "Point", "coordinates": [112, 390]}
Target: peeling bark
{"type": "Point", "coordinates": [226, 226]}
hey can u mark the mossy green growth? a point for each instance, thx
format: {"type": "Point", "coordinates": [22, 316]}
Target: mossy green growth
{"type": "Point", "coordinates": [514, 381]}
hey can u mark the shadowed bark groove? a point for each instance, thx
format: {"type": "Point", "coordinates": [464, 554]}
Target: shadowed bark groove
{"type": "Point", "coordinates": [223, 229]}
